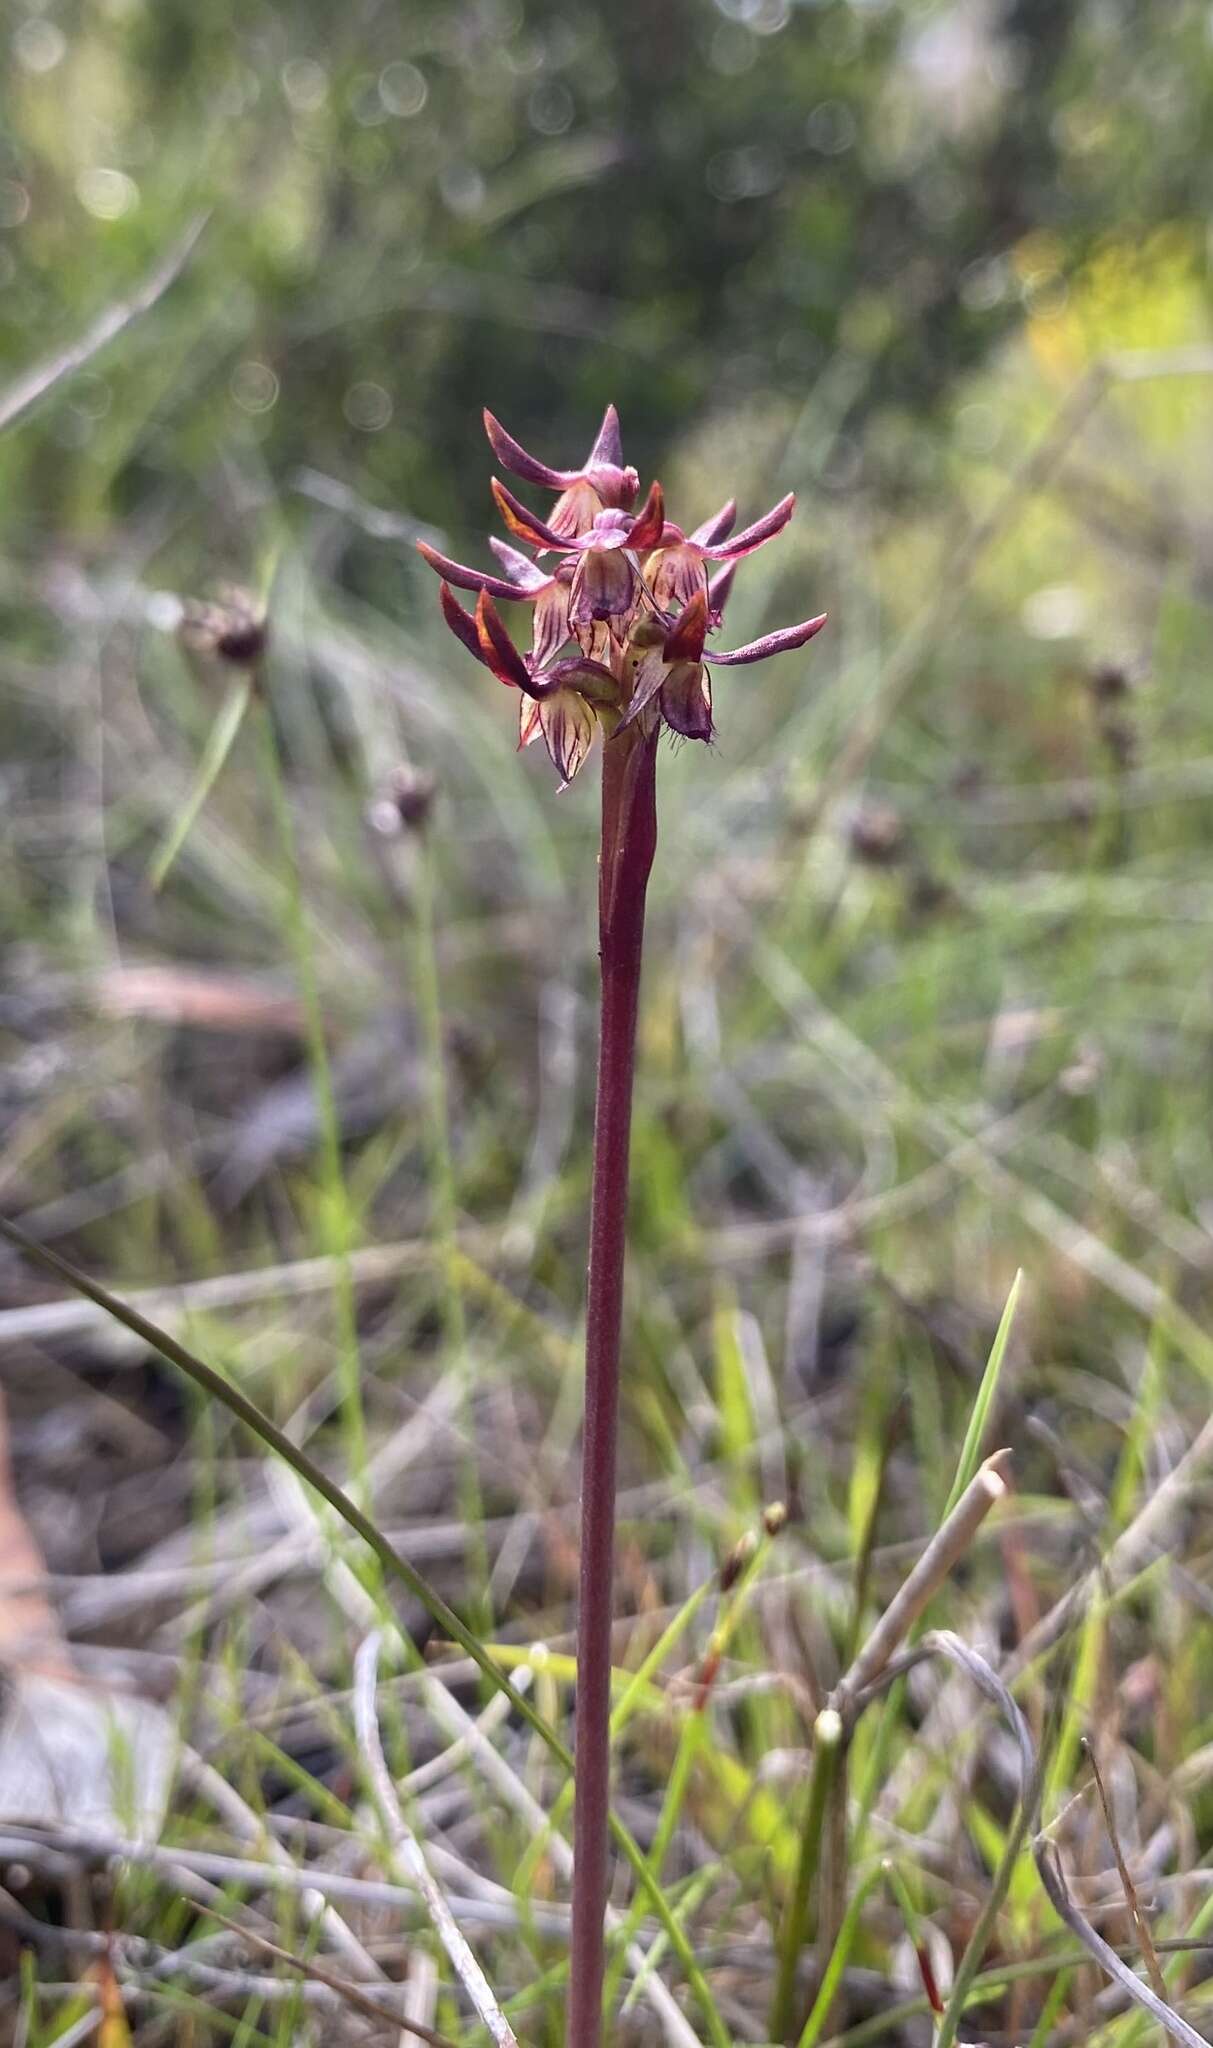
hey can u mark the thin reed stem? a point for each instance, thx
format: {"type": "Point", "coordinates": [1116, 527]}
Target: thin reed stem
{"type": "Point", "coordinates": [827, 1739]}
{"type": "Point", "coordinates": [337, 1222]}
{"type": "Point", "coordinates": [629, 838]}
{"type": "Point", "coordinates": [453, 1308]}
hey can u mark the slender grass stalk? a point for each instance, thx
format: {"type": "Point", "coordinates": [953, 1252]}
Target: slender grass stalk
{"type": "Point", "coordinates": [1055, 1998]}
{"type": "Point", "coordinates": [338, 1221]}
{"type": "Point", "coordinates": [219, 743]}
{"type": "Point", "coordinates": [629, 839]}
{"type": "Point", "coordinates": [970, 1963]}
{"type": "Point", "coordinates": [453, 1309]}
{"type": "Point", "coordinates": [827, 1737]}
{"type": "Point", "coordinates": [738, 1575]}
{"type": "Point", "coordinates": [693, 1896]}
{"type": "Point", "coordinates": [840, 1956]}
{"type": "Point", "coordinates": [966, 1468]}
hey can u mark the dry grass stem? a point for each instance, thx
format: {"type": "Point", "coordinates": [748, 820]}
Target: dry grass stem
{"type": "Point", "coordinates": [945, 1549]}
{"type": "Point", "coordinates": [406, 1847]}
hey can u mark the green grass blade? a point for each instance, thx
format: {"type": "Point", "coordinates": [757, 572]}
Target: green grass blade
{"type": "Point", "coordinates": [219, 743]}
{"type": "Point", "coordinates": [971, 1449]}
{"type": "Point", "coordinates": [827, 1737]}
{"type": "Point", "coordinates": [970, 1963]}
{"type": "Point", "coordinates": [814, 2026]}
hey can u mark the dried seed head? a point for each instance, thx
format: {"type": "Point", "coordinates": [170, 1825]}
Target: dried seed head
{"type": "Point", "coordinates": [234, 630]}
{"type": "Point", "coordinates": [1109, 683]}
{"type": "Point", "coordinates": [410, 796]}
{"type": "Point", "coordinates": [774, 1517]}
{"type": "Point", "coordinates": [878, 835]}
{"type": "Point", "coordinates": [737, 1560]}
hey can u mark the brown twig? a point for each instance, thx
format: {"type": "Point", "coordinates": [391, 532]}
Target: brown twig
{"type": "Point", "coordinates": [352, 1993]}
{"type": "Point", "coordinates": [1153, 1969]}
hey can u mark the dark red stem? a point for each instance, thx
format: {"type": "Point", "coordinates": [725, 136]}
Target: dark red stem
{"type": "Point", "coordinates": [629, 837]}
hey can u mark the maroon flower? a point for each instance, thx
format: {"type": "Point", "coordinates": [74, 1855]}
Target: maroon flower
{"type": "Point", "coordinates": [673, 668]}
{"type": "Point", "coordinates": [523, 583]}
{"type": "Point", "coordinates": [560, 702]}
{"type": "Point", "coordinates": [679, 567]}
{"type": "Point", "coordinates": [606, 582]}
{"type": "Point", "coordinates": [603, 482]}
{"type": "Point", "coordinates": [629, 597]}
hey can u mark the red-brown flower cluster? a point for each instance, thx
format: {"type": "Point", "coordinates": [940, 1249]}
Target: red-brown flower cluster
{"type": "Point", "coordinates": [623, 601]}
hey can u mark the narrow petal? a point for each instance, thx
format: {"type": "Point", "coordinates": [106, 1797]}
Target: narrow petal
{"type": "Point", "coordinates": [527, 576]}
{"type": "Point", "coordinates": [607, 450]}
{"type": "Point", "coordinates": [678, 574]}
{"type": "Point", "coordinates": [551, 628]}
{"type": "Point", "coordinates": [594, 639]}
{"type": "Point", "coordinates": [771, 643]}
{"type": "Point", "coordinates": [497, 650]}
{"type": "Point", "coordinates": [755, 536]}
{"type": "Point", "coordinates": [576, 509]}
{"type": "Point", "coordinates": [649, 521]}
{"type": "Point", "coordinates": [461, 623]}
{"type": "Point", "coordinates": [615, 481]}
{"type": "Point", "coordinates": [525, 524]}
{"type": "Point", "coordinates": [647, 679]}
{"type": "Point", "coordinates": [685, 640]}
{"type": "Point", "coordinates": [718, 590]}
{"type": "Point", "coordinates": [604, 586]}
{"type": "Point", "coordinates": [513, 456]}
{"type": "Point", "coordinates": [467, 579]}
{"type": "Point", "coordinates": [568, 726]}
{"type": "Point", "coordinates": [686, 701]}
{"type": "Point", "coordinates": [715, 528]}
{"type": "Point", "coordinates": [528, 721]}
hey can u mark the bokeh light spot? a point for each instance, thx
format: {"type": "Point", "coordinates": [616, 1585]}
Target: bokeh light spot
{"type": "Point", "coordinates": [254, 386]}
{"type": "Point", "coordinates": [107, 194]}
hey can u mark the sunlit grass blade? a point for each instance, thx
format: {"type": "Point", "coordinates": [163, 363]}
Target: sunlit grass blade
{"type": "Point", "coordinates": [970, 1450]}
{"type": "Point", "coordinates": [219, 743]}
{"type": "Point", "coordinates": [34, 383]}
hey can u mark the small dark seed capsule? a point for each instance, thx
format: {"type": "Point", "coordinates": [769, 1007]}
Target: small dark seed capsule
{"type": "Point", "coordinates": [242, 645]}
{"type": "Point", "coordinates": [234, 631]}
{"type": "Point", "coordinates": [736, 1561]}
{"type": "Point", "coordinates": [1109, 683]}
{"type": "Point", "coordinates": [406, 801]}
{"type": "Point", "coordinates": [878, 835]}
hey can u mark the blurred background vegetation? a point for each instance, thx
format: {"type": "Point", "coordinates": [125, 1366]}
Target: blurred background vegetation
{"type": "Point", "coordinates": [928, 994]}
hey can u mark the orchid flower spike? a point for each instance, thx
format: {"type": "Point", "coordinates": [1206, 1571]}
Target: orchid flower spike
{"type": "Point", "coordinates": [623, 601]}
